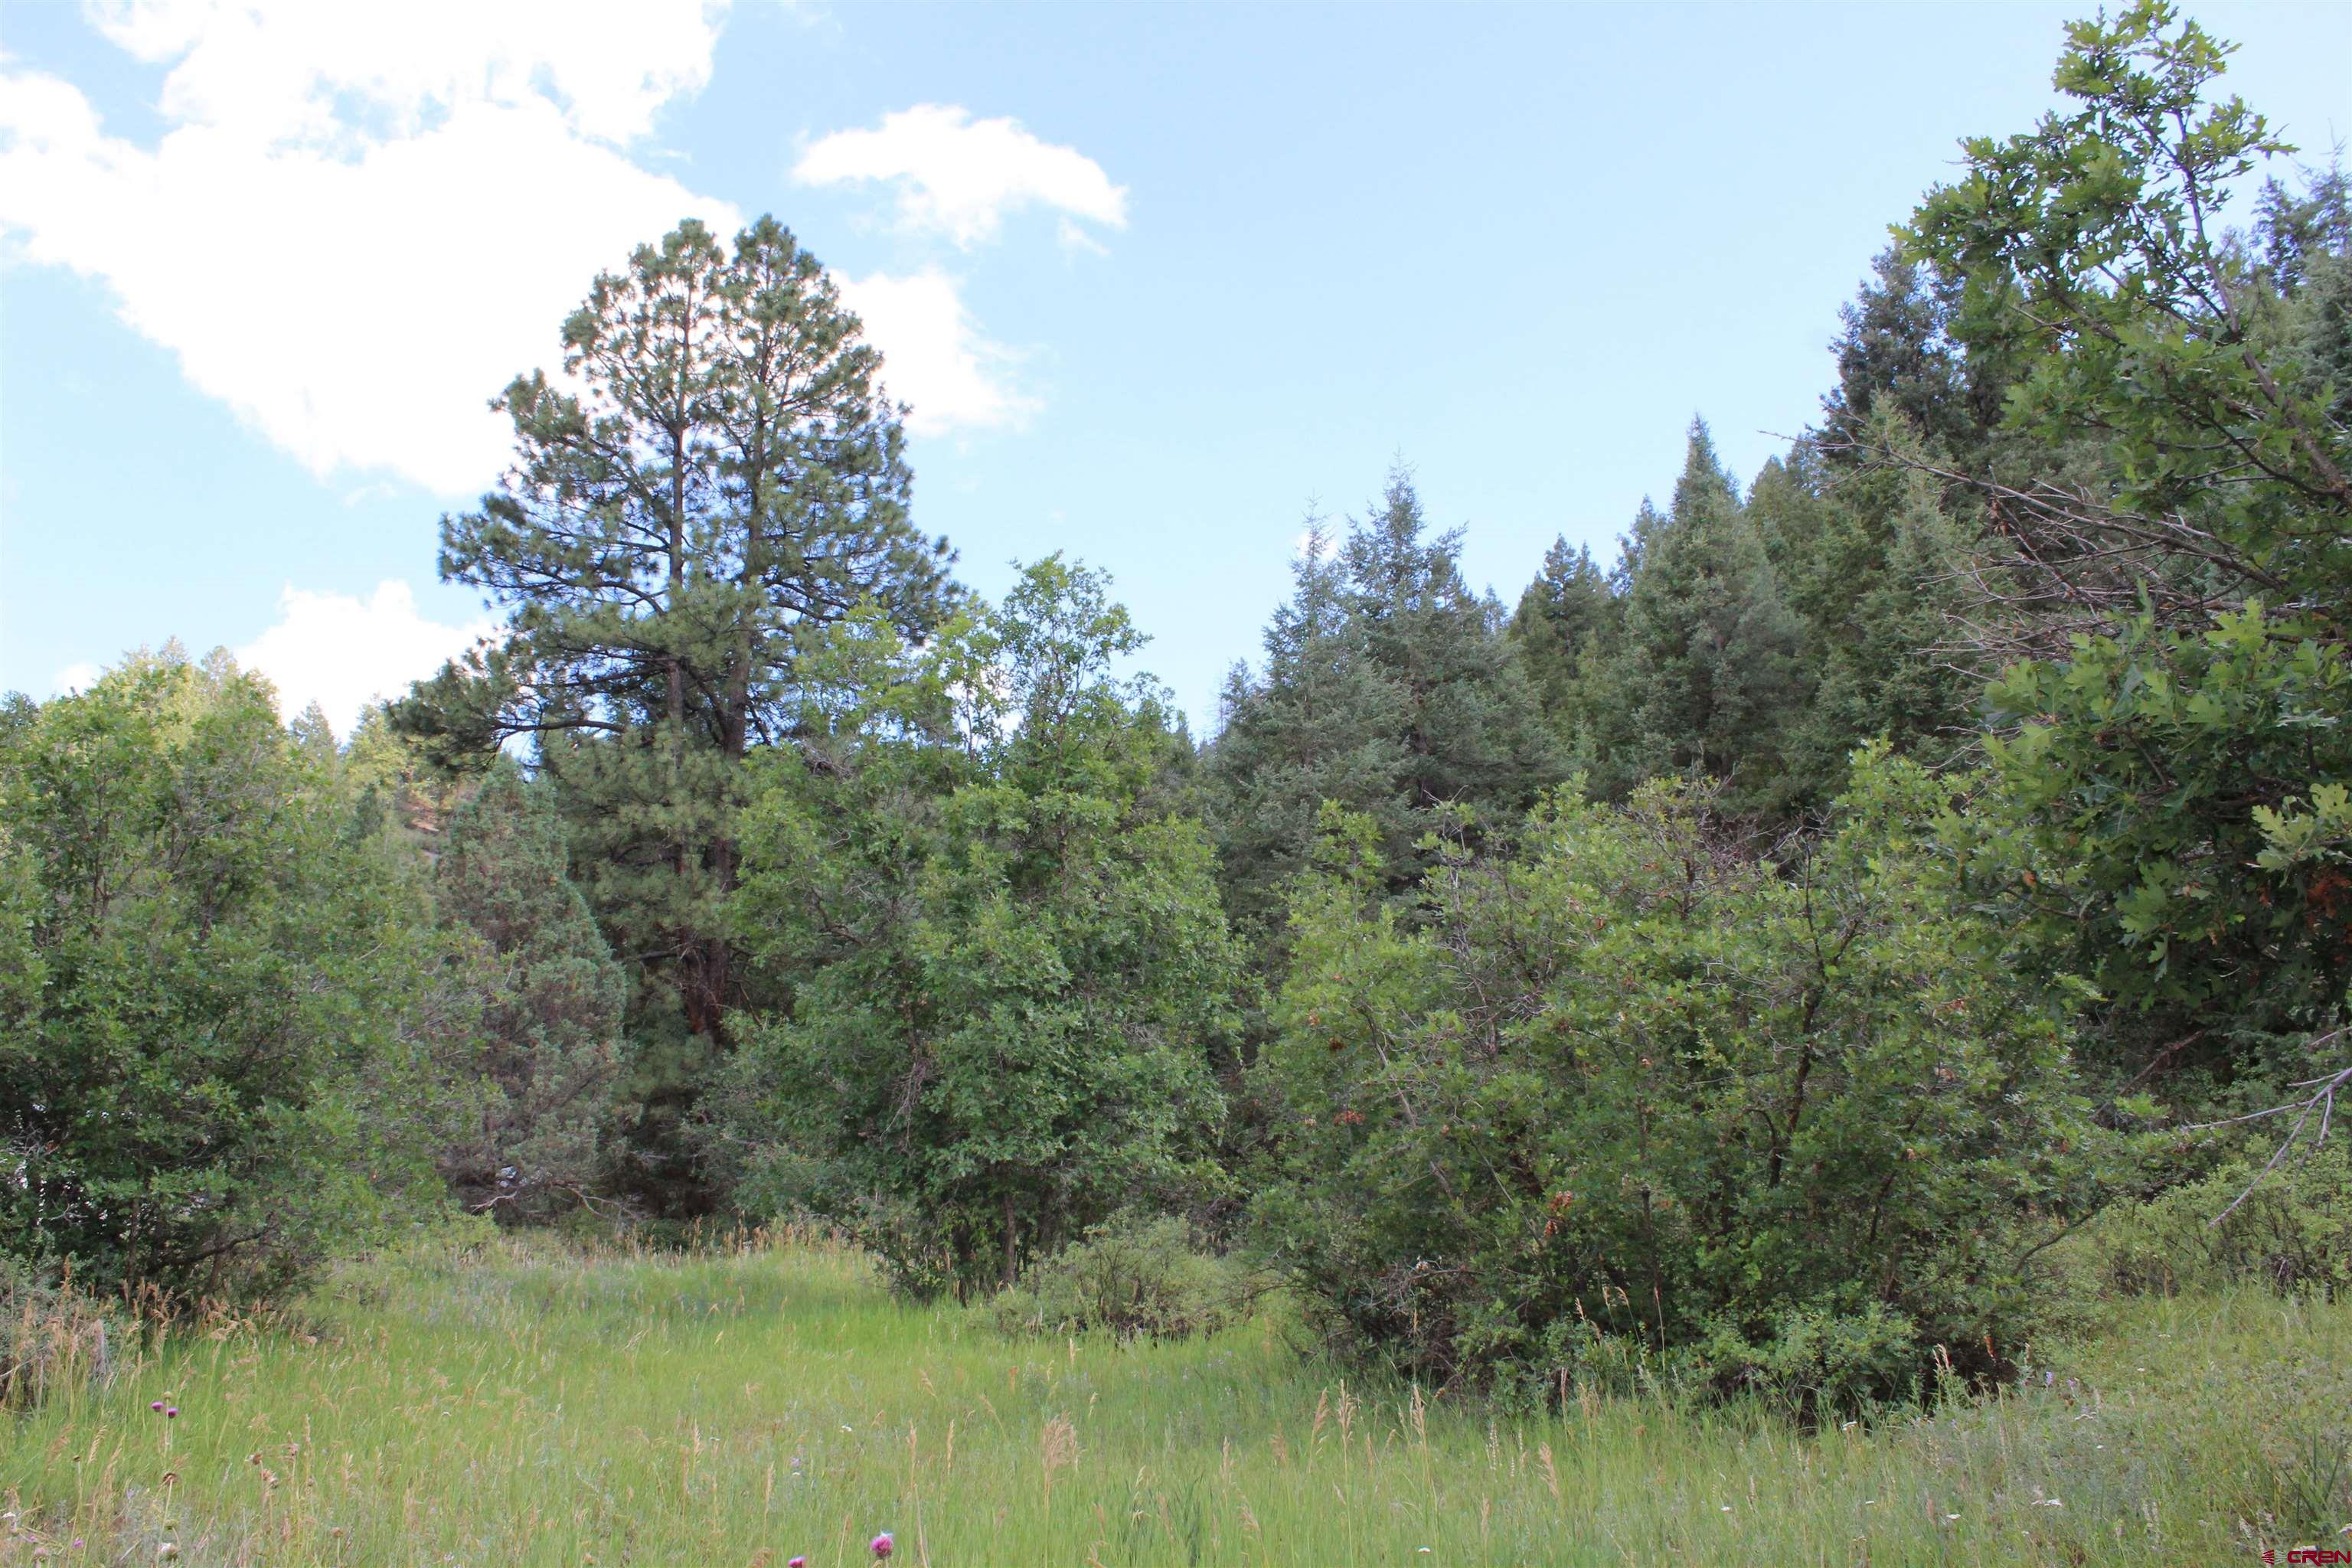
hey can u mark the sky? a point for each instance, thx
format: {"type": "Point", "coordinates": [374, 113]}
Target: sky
{"type": "Point", "coordinates": [1158, 281]}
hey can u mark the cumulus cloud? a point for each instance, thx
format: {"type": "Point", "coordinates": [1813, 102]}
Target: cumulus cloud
{"type": "Point", "coordinates": [361, 220]}
{"type": "Point", "coordinates": [77, 677]}
{"type": "Point", "coordinates": [958, 176]}
{"type": "Point", "coordinates": [932, 356]}
{"type": "Point", "coordinates": [343, 652]}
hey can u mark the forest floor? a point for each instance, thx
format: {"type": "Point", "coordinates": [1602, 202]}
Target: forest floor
{"type": "Point", "coordinates": [514, 1405]}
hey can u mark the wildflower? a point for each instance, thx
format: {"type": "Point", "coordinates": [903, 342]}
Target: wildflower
{"type": "Point", "coordinates": [797, 1562]}
{"type": "Point", "coordinates": [171, 1413]}
{"type": "Point", "coordinates": [156, 1405]}
{"type": "Point", "coordinates": [883, 1546]}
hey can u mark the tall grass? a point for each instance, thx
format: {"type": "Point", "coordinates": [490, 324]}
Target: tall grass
{"type": "Point", "coordinates": [518, 1405]}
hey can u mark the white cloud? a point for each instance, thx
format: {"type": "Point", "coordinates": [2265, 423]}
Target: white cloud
{"type": "Point", "coordinates": [343, 653]}
{"type": "Point", "coordinates": [933, 356]}
{"type": "Point", "coordinates": [363, 219]}
{"type": "Point", "coordinates": [960, 177]}
{"type": "Point", "coordinates": [276, 70]}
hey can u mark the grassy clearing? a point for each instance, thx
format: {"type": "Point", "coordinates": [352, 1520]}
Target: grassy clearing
{"type": "Point", "coordinates": [526, 1408]}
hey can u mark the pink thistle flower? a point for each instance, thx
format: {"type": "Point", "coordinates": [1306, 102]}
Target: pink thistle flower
{"type": "Point", "coordinates": [797, 1562]}
{"type": "Point", "coordinates": [171, 1413]}
{"type": "Point", "coordinates": [156, 1405]}
{"type": "Point", "coordinates": [883, 1546]}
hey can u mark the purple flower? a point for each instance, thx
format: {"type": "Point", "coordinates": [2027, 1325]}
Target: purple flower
{"type": "Point", "coordinates": [171, 1412]}
{"type": "Point", "coordinates": [156, 1405]}
{"type": "Point", "coordinates": [883, 1546]}
{"type": "Point", "coordinates": [797, 1562]}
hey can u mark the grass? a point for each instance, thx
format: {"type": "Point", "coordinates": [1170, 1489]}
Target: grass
{"type": "Point", "coordinates": [519, 1405]}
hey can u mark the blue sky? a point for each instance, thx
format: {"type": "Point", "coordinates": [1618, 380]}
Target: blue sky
{"type": "Point", "coordinates": [259, 272]}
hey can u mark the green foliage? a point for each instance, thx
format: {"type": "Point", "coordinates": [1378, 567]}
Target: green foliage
{"type": "Point", "coordinates": [551, 1006]}
{"type": "Point", "coordinates": [2288, 1227]}
{"type": "Point", "coordinates": [1636, 1092]}
{"type": "Point", "coordinates": [1870, 562]}
{"type": "Point", "coordinates": [2130, 830]}
{"type": "Point", "coordinates": [1007, 965]}
{"type": "Point", "coordinates": [222, 1002]}
{"type": "Point", "coordinates": [1704, 676]}
{"type": "Point", "coordinates": [1135, 1277]}
{"type": "Point", "coordinates": [1568, 618]}
{"type": "Point", "coordinates": [1389, 687]}
{"type": "Point", "coordinates": [2186, 680]}
{"type": "Point", "coordinates": [717, 480]}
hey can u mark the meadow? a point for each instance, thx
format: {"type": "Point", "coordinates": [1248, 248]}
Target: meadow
{"type": "Point", "coordinates": [506, 1403]}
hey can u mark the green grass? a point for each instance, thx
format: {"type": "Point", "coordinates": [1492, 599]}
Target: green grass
{"type": "Point", "coordinates": [523, 1406]}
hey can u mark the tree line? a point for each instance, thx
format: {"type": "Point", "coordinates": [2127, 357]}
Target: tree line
{"type": "Point", "coordinates": [1755, 953]}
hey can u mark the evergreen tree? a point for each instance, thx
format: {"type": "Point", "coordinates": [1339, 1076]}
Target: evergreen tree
{"type": "Point", "coordinates": [1390, 688]}
{"type": "Point", "coordinates": [1566, 616]}
{"type": "Point", "coordinates": [1324, 722]}
{"type": "Point", "coordinates": [728, 480]}
{"type": "Point", "coordinates": [1706, 676]}
{"type": "Point", "coordinates": [1896, 357]}
{"type": "Point", "coordinates": [1868, 561]}
{"type": "Point", "coordinates": [551, 1013]}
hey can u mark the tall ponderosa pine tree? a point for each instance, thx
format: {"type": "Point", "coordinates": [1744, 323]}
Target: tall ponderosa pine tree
{"type": "Point", "coordinates": [553, 999]}
{"type": "Point", "coordinates": [727, 475]}
{"type": "Point", "coordinates": [1390, 688]}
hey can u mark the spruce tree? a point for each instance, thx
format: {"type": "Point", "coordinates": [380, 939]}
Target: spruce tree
{"type": "Point", "coordinates": [551, 1011]}
{"type": "Point", "coordinates": [1565, 619]}
{"type": "Point", "coordinates": [1872, 564]}
{"type": "Point", "coordinates": [1390, 688]}
{"type": "Point", "coordinates": [1706, 677]}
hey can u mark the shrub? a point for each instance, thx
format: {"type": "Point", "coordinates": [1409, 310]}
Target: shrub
{"type": "Point", "coordinates": [1131, 1278]}
{"type": "Point", "coordinates": [2293, 1232]}
{"type": "Point", "coordinates": [51, 1336]}
{"type": "Point", "coordinates": [219, 1001]}
{"type": "Point", "coordinates": [1635, 1100]}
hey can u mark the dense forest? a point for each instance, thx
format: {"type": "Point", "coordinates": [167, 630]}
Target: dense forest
{"type": "Point", "coordinates": [1754, 954]}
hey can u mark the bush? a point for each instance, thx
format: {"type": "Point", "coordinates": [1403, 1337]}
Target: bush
{"type": "Point", "coordinates": [51, 1336]}
{"type": "Point", "coordinates": [1128, 1278]}
{"type": "Point", "coordinates": [219, 999]}
{"type": "Point", "coordinates": [1635, 1104]}
{"type": "Point", "coordinates": [2293, 1232]}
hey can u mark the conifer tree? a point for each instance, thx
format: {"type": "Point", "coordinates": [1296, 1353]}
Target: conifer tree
{"type": "Point", "coordinates": [719, 477]}
{"type": "Point", "coordinates": [1871, 564]}
{"type": "Point", "coordinates": [1391, 688]}
{"type": "Point", "coordinates": [1566, 618]}
{"type": "Point", "coordinates": [1706, 676]}
{"type": "Point", "coordinates": [552, 1010]}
